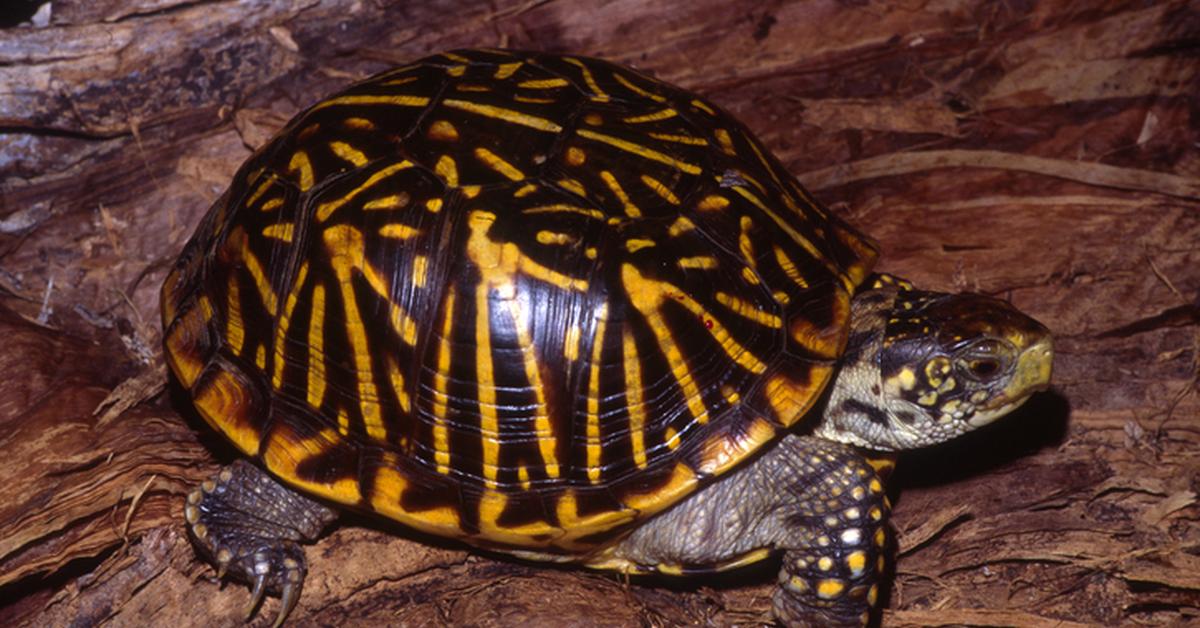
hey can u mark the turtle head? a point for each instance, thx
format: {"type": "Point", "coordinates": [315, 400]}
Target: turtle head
{"type": "Point", "coordinates": [922, 368]}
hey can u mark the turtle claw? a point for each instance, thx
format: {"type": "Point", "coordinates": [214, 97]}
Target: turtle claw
{"type": "Point", "coordinates": [287, 601]}
{"type": "Point", "coordinates": [256, 596]}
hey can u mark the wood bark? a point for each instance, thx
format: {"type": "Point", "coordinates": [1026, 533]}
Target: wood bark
{"type": "Point", "coordinates": [1047, 152]}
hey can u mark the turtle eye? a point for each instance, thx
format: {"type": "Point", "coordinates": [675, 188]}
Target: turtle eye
{"type": "Point", "coordinates": [984, 368]}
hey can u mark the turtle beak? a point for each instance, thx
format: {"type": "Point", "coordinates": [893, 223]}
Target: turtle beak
{"type": "Point", "coordinates": [1032, 374]}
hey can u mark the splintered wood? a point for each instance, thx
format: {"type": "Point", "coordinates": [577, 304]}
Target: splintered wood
{"type": "Point", "coordinates": [1045, 152]}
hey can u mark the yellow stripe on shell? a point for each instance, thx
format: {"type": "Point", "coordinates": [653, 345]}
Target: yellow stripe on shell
{"type": "Point", "coordinates": [789, 268]}
{"type": "Point", "coordinates": [358, 100]}
{"type": "Point", "coordinates": [181, 345]}
{"type": "Point", "coordinates": [387, 496]}
{"type": "Point", "coordinates": [703, 106]}
{"type": "Point", "coordinates": [795, 235]}
{"type": "Point", "coordinates": [722, 452]}
{"type": "Point", "coordinates": [561, 208]}
{"type": "Point", "coordinates": [441, 397]}
{"type": "Point", "coordinates": [680, 226]}
{"type": "Point", "coordinates": [485, 384]}
{"type": "Point", "coordinates": [285, 451]}
{"type": "Point", "coordinates": [392, 201]}
{"type": "Point", "coordinates": [659, 188]}
{"type": "Point", "coordinates": [699, 261]}
{"type": "Point", "coordinates": [682, 481]}
{"type": "Point", "coordinates": [235, 327]}
{"type": "Point", "coordinates": [348, 153]}
{"type": "Point", "coordinates": [505, 70]}
{"type": "Point", "coordinates": [301, 164]}
{"type": "Point", "coordinates": [631, 210]}
{"type": "Point", "coordinates": [225, 404]}
{"type": "Point", "coordinates": [662, 114]}
{"type": "Point", "coordinates": [725, 141]}
{"type": "Point", "coordinates": [637, 90]}
{"type": "Point", "coordinates": [491, 507]}
{"type": "Point", "coordinates": [598, 94]}
{"type": "Point", "coordinates": [255, 268]}
{"type": "Point", "coordinates": [280, 231]}
{"type": "Point", "coordinates": [749, 311]}
{"type": "Point", "coordinates": [495, 162]}
{"type": "Point", "coordinates": [639, 150]}
{"type": "Point", "coordinates": [679, 139]}
{"type": "Point", "coordinates": [398, 231]}
{"type": "Point", "coordinates": [346, 251]}
{"type": "Point", "coordinates": [398, 386]}
{"type": "Point", "coordinates": [544, 83]}
{"type": "Point", "coordinates": [326, 209]}
{"type": "Point", "coordinates": [501, 113]}
{"type": "Point", "coordinates": [447, 169]}
{"type": "Point", "coordinates": [281, 329]}
{"type": "Point", "coordinates": [791, 400]}
{"type": "Point", "coordinates": [592, 433]}
{"type": "Point", "coordinates": [633, 398]}
{"type": "Point", "coordinates": [315, 390]}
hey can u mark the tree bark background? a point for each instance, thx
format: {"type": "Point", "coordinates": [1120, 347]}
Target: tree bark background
{"type": "Point", "coordinates": [1044, 151]}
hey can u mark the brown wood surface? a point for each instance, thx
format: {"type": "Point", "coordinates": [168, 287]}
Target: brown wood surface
{"type": "Point", "coordinates": [1048, 152]}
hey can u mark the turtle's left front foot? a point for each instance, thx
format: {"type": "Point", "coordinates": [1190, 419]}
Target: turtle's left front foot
{"type": "Point", "coordinates": [251, 526]}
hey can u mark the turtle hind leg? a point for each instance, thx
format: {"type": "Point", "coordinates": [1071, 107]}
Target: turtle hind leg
{"type": "Point", "coordinates": [251, 527]}
{"type": "Point", "coordinates": [818, 503]}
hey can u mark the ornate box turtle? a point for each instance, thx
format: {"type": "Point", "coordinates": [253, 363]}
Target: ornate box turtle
{"type": "Point", "coordinates": [553, 307]}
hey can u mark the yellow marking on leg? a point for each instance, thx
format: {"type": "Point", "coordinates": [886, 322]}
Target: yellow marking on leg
{"type": "Point", "coordinates": [857, 562]}
{"type": "Point", "coordinates": [420, 270]}
{"type": "Point", "coordinates": [500, 113]}
{"type": "Point", "coordinates": [725, 141]}
{"type": "Point", "coordinates": [639, 150]}
{"type": "Point", "coordinates": [700, 262]}
{"type": "Point", "coordinates": [348, 153]}
{"type": "Point", "coordinates": [660, 189]}
{"type": "Point", "coordinates": [442, 130]}
{"type": "Point", "coordinates": [679, 139]}
{"type": "Point", "coordinates": [398, 231]}
{"type": "Point", "coordinates": [559, 208]}
{"type": "Point", "coordinates": [326, 209]}
{"type": "Point", "coordinates": [397, 380]}
{"type": "Point", "coordinates": [235, 328]}
{"type": "Point", "coordinates": [637, 90]}
{"type": "Point", "coordinates": [284, 322]}
{"type": "Point", "coordinates": [598, 94]}
{"type": "Point", "coordinates": [398, 100]}
{"type": "Point", "coordinates": [662, 114]}
{"type": "Point", "coordinates": [394, 201]}
{"type": "Point", "coordinates": [315, 390]}
{"type": "Point", "coordinates": [713, 203]}
{"type": "Point", "coordinates": [346, 253]}
{"type": "Point", "coordinates": [749, 311]}
{"type": "Point", "coordinates": [789, 268]}
{"type": "Point", "coordinates": [830, 588]}
{"type": "Point", "coordinates": [495, 162]}
{"type": "Point", "coordinates": [441, 378]}
{"type": "Point", "coordinates": [506, 70]}
{"type": "Point", "coordinates": [680, 226]}
{"type": "Point", "coordinates": [301, 164]}
{"type": "Point", "coordinates": [592, 434]}
{"type": "Point", "coordinates": [631, 210]}
{"type": "Point", "coordinates": [703, 106]}
{"type": "Point", "coordinates": [447, 170]}
{"type": "Point", "coordinates": [796, 236]}
{"type": "Point", "coordinates": [485, 384]}
{"type": "Point", "coordinates": [633, 398]}
{"type": "Point", "coordinates": [281, 231]}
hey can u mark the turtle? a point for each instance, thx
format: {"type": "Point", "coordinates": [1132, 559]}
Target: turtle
{"type": "Point", "coordinates": [554, 308]}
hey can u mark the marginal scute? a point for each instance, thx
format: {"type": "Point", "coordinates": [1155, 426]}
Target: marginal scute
{"type": "Point", "coordinates": [225, 400]}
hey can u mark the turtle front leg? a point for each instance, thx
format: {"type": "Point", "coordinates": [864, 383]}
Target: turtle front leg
{"type": "Point", "coordinates": [819, 503]}
{"type": "Point", "coordinates": [250, 526]}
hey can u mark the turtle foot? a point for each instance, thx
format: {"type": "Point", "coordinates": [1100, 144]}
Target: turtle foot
{"type": "Point", "coordinates": [250, 527]}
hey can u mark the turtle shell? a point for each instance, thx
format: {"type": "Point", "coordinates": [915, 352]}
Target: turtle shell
{"type": "Point", "coordinates": [523, 299]}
